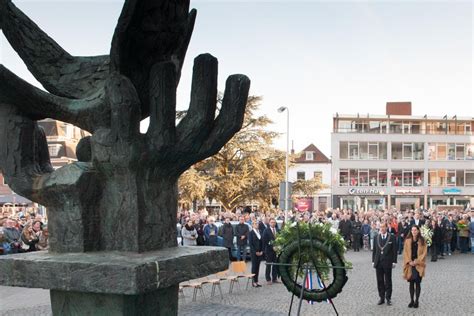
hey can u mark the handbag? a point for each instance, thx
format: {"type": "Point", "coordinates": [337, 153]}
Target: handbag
{"type": "Point", "coordinates": [415, 275]}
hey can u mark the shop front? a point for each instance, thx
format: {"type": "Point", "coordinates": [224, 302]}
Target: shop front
{"type": "Point", "coordinates": [405, 199]}
{"type": "Point", "coordinates": [361, 199]}
{"type": "Point", "coordinates": [450, 198]}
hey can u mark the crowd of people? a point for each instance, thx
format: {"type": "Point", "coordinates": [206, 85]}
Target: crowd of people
{"type": "Point", "coordinates": [22, 231]}
{"type": "Point", "coordinates": [451, 230]}
{"type": "Point", "coordinates": [448, 232]}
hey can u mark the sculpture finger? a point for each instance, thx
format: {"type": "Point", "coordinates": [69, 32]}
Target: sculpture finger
{"type": "Point", "coordinates": [230, 118]}
{"type": "Point", "coordinates": [89, 113]}
{"type": "Point", "coordinates": [195, 126]}
{"type": "Point", "coordinates": [58, 71]}
{"type": "Point", "coordinates": [148, 33]}
{"type": "Point", "coordinates": [124, 105]}
{"type": "Point", "coordinates": [162, 129]}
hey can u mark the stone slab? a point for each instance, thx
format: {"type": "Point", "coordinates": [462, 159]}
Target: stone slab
{"type": "Point", "coordinates": [126, 273]}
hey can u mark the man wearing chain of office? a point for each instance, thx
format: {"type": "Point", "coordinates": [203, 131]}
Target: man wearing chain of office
{"type": "Point", "coordinates": [384, 258]}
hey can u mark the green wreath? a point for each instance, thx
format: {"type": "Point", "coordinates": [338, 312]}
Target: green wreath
{"type": "Point", "coordinates": [327, 248]}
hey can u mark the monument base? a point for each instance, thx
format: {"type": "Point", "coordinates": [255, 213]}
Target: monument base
{"type": "Point", "coordinates": [159, 302]}
{"type": "Point", "coordinates": [112, 283]}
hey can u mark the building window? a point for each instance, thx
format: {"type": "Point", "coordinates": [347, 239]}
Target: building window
{"type": "Point", "coordinates": [418, 151]}
{"type": "Point", "coordinates": [343, 150]}
{"type": "Point", "coordinates": [54, 149]}
{"type": "Point", "coordinates": [343, 177]}
{"type": "Point", "coordinates": [469, 151]}
{"type": "Point", "coordinates": [406, 127]}
{"type": "Point", "coordinates": [300, 175]}
{"type": "Point", "coordinates": [397, 151]}
{"type": "Point", "coordinates": [373, 177]}
{"type": "Point", "coordinates": [451, 151]}
{"type": "Point", "coordinates": [431, 151]}
{"type": "Point", "coordinates": [374, 127]}
{"type": "Point", "coordinates": [354, 150]}
{"type": "Point", "coordinates": [459, 151]}
{"type": "Point", "coordinates": [309, 155]}
{"type": "Point", "coordinates": [407, 151]}
{"type": "Point", "coordinates": [353, 177]}
{"type": "Point", "coordinates": [451, 178]}
{"type": "Point", "coordinates": [383, 150]}
{"type": "Point", "coordinates": [373, 150]}
{"type": "Point", "coordinates": [344, 126]}
{"type": "Point", "coordinates": [407, 178]}
{"type": "Point", "coordinates": [397, 176]}
{"type": "Point", "coordinates": [418, 178]}
{"type": "Point", "coordinates": [395, 127]}
{"type": "Point", "coordinates": [469, 177]}
{"type": "Point", "coordinates": [363, 151]}
{"type": "Point", "coordinates": [460, 178]}
{"type": "Point", "coordinates": [322, 203]}
{"type": "Point", "coordinates": [415, 128]}
{"type": "Point", "coordinates": [440, 151]}
{"type": "Point", "coordinates": [382, 180]}
{"type": "Point", "coordinates": [318, 176]}
{"type": "Point", "coordinates": [433, 178]}
{"type": "Point", "coordinates": [364, 177]}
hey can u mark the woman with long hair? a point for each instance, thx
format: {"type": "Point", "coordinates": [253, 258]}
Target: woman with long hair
{"type": "Point", "coordinates": [414, 257]}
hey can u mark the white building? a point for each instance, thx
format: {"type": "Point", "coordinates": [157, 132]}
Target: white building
{"type": "Point", "coordinates": [402, 160]}
{"type": "Point", "coordinates": [312, 163]}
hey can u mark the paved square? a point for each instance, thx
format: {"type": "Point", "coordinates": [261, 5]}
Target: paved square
{"type": "Point", "coordinates": [446, 290]}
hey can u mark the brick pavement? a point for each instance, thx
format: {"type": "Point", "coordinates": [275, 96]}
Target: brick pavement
{"type": "Point", "coordinates": [446, 290]}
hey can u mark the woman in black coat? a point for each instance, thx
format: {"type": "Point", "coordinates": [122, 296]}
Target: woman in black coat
{"type": "Point", "coordinates": [256, 252]}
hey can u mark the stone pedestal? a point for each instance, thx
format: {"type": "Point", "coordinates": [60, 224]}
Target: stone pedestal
{"type": "Point", "coordinates": [112, 283]}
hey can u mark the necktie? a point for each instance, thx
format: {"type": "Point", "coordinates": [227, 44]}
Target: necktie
{"type": "Point", "coordinates": [273, 231]}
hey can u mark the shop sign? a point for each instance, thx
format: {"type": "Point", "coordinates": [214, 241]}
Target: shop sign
{"type": "Point", "coordinates": [408, 191]}
{"type": "Point", "coordinates": [353, 191]}
{"type": "Point", "coordinates": [452, 191]}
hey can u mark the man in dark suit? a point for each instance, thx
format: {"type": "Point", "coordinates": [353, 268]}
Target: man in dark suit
{"type": "Point", "coordinates": [270, 256]}
{"type": "Point", "coordinates": [417, 220]}
{"type": "Point", "coordinates": [384, 258]}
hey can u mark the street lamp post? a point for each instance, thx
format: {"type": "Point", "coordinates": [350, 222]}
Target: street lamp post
{"type": "Point", "coordinates": [280, 110]}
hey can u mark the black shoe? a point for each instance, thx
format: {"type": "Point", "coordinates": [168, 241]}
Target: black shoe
{"type": "Point", "coordinates": [381, 301]}
{"type": "Point", "coordinates": [389, 302]}
{"type": "Point", "coordinates": [411, 304]}
{"type": "Point", "coordinates": [415, 305]}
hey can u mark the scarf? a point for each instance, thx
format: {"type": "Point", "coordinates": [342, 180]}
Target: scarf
{"type": "Point", "coordinates": [190, 228]}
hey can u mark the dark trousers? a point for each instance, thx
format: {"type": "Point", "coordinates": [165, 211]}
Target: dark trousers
{"type": "Point", "coordinates": [270, 257]}
{"type": "Point", "coordinates": [384, 282]}
{"type": "Point", "coordinates": [434, 252]}
{"type": "Point", "coordinates": [356, 241]}
{"type": "Point", "coordinates": [255, 266]}
{"type": "Point", "coordinates": [464, 243]}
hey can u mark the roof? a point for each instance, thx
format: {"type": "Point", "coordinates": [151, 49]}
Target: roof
{"type": "Point", "coordinates": [318, 156]}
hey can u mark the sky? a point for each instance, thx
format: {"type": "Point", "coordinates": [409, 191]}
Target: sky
{"type": "Point", "coordinates": [317, 58]}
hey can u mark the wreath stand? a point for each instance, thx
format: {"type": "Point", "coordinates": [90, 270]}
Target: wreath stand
{"type": "Point", "coordinates": [307, 268]}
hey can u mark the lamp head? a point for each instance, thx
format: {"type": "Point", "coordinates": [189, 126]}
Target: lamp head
{"type": "Point", "coordinates": [281, 109]}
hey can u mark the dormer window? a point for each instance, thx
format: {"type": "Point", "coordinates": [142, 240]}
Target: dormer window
{"type": "Point", "coordinates": [309, 155]}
